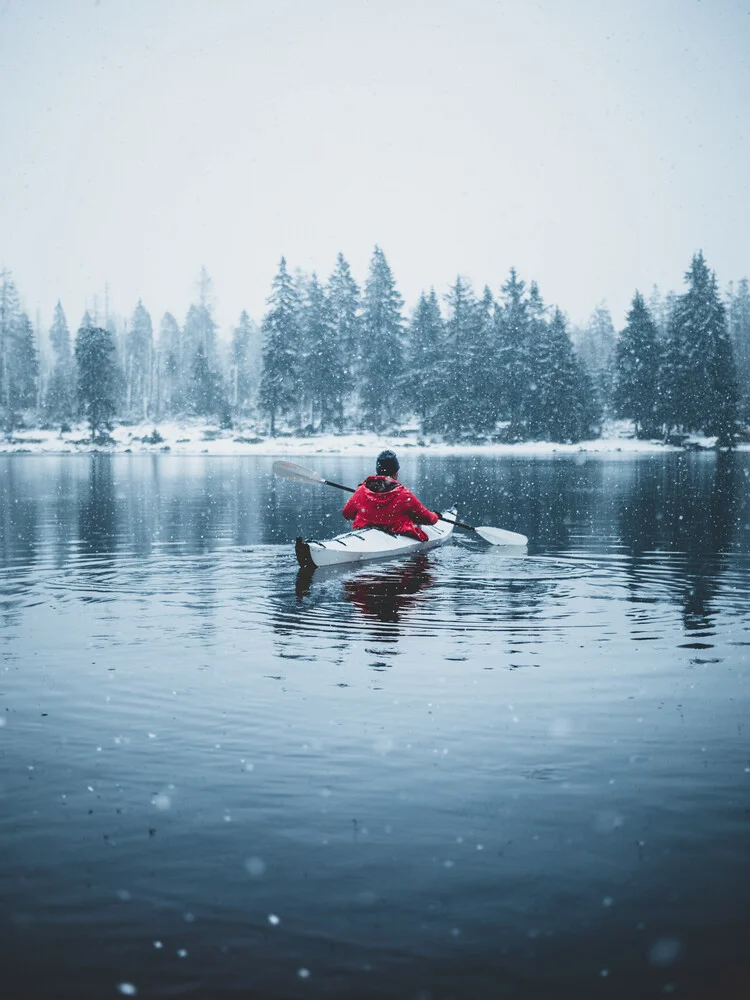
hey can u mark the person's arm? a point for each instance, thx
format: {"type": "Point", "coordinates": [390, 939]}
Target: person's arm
{"type": "Point", "coordinates": [420, 513]}
{"type": "Point", "coordinates": [350, 507]}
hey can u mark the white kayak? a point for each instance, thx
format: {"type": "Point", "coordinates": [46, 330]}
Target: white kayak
{"type": "Point", "coordinates": [371, 543]}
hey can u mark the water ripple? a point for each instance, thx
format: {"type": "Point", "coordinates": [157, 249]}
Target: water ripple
{"type": "Point", "coordinates": [460, 589]}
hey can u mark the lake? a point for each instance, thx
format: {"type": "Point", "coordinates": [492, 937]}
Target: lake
{"type": "Point", "coordinates": [463, 775]}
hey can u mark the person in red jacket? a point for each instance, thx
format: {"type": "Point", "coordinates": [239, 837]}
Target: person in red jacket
{"type": "Point", "coordinates": [382, 502]}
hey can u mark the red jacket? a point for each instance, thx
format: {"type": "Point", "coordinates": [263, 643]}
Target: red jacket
{"type": "Point", "coordinates": [383, 502]}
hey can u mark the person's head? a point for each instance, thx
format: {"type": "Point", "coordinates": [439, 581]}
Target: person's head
{"type": "Point", "coordinates": [386, 464]}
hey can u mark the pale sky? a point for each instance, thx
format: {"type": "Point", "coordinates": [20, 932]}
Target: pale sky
{"type": "Point", "coordinates": [593, 145]}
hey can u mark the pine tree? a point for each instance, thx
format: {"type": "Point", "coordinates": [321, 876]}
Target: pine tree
{"type": "Point", "coordinates": [596, 349]}
{"type": "Point", "coordinates": [344, 299]}
{"type": "Point", "coordinates": [199, 331]}
{"type": "Point", "coordinates": [10, 314]}
{"type": "Point", "coordinates": [139, 363]}
{"type": "Point", "coordinates": [636, 373]}
{"type": "Point", "coordinates": [59, 334]}
{"type": "Point", "coordinates": [19, 362]}
{"type": "Point", "coordinates": [659, 307]}
{"type": "Point", "coordinates": [26, 358]}
{"type": "Point", "coordinates": [739, 329]}
{"type": "Point", "coordinates": [205, 325]}
{"type": "Point", "coordinates": [23, 370]}
{"type": "Point", "coordinates": [421, 385]}
{"type": "Point", "coordinates": [171, 394]}
{"type": "Point", "coordinates": [241, 370]}
{"type": "Point", "coordinates": [481, 349]}
{"type": "Point", "coordinates": [207, 396]}
{"type": "Point", "coordinates": [464, 363]}
{"type": "Point", "coordinates": [324, 368]}
{"type": "Point", "coordinates": [279, 386]}
{"type": "Point", "coordinates": [487, 400]}
{"type": "Point", "coordinates": [514, 362]}
{"type": "Point", "coordinates": [565, 408]}
{"type": "Point", "coordinates": [699, 387]}
{"type": "Point", "coordinates": [96, 377]}
{"type": "Point", "coordinates": [60, 401]}
{"type": "Point", "coordinates": [118, 333]}
{"type": "Point", "coordinates": [533, 405]}
{"type": "Point", "coordinates": [382, 345]}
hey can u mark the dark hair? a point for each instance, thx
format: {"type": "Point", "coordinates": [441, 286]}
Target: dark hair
{"type": "Point", "coordinates": [386, 464]}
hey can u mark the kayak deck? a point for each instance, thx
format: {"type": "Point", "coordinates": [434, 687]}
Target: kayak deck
{"type": "Point", "coordinates": [370, 543]}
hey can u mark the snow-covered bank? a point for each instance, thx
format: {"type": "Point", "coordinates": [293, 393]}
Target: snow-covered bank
{"type": "Point", "coordinates": [201, 439]}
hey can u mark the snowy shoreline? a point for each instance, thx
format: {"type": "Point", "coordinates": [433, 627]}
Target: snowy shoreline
{"type": "Point", "coordinates": [191, 439]}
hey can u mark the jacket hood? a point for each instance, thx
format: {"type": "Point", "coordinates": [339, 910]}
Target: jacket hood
{"type": "Point", "coordinates": [381, 489]}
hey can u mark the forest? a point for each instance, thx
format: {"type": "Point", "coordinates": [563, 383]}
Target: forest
{"type": "Point", "coordinates": [331, 356]}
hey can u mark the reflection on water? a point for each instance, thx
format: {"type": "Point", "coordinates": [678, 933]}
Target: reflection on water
{"type": "Point", "coordinates": [464, 774]}
{"type": "Point", "coordinates": [698, 509]}
{"type": "Point", "coordinates": [381, 591]}
{"type": "Point", "coordinates": [384, 595]}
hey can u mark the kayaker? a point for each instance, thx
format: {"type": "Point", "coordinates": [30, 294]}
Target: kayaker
{"type": "Point", "coordinates": [382, 502]}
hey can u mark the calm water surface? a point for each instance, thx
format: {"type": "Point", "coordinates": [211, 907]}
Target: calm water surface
{"type": "Point", "coordinates": [465, 775]}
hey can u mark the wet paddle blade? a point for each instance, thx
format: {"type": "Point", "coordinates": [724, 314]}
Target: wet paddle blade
{"type": "Point", "coordinates": [288, 470]}
{"type": "Point", "coordinates": [496, 536]}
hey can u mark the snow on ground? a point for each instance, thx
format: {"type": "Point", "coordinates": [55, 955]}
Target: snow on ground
{"type": "Point", "coordinates": [193, 438]}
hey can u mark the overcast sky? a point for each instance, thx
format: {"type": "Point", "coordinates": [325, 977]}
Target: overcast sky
{"type": "Point", "coordinates": [593, 145]}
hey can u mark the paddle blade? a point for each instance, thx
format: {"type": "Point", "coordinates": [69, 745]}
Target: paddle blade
{"type": "Point", "coordinates": [496, 536]}
{"type": "Point", "coordinates": [288, 470]}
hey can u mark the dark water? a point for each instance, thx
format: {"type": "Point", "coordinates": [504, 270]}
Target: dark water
{"type": "Point", "coordinates": [461, 776]}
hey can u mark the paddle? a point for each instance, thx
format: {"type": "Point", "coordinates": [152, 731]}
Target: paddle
{"type": "Point", "coordinates": [299, 474]}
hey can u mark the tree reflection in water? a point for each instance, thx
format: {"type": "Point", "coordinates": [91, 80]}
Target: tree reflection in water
{"type": "Point", "coordinates": [381, 592]}
{"type": "Point", "coordinates": [386, 594]}
{"type": "Point", "coordinates": [680, 521]}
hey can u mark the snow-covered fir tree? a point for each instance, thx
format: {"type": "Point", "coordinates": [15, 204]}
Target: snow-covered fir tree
{"type": "Point", "coordinates": [699, 390]}
{"type": "Point", "coordinates": [171, 395]}
{"type": "Point", "coordinates": [421, 384]}
{"type": "Point", "coordinates": [22, 361]}
{"type": "Point", "coordinates": [596, 348]}
{"type": "Point", "coordinates": [139, 348]}
{"type": "Point", "coordinates": [660, 306]}
{"type": "Point", "coordinates": [636, 371]}
{"type": "Point", "coordinates": [26, 364]}
{"type": "Point", "coordinates": [534, 403]}
{"type": "Point", "coordinates": [10, 314]}
{"type": "Point", "coordinates": [242, 376]}
{"type": "Point", "coordinates": [96, 377]}
{"type": "Point", "coordinates": [19, 361]}
{"type": "Point", "coordinates": [199, 334]}
{"type": "Point", "coordinates": [382, 345]}
{"type": "Point", "coordinates": [565, 404]}
{"type": "Point", "coordinates": [344, 298]}
{"type": "Point", "coordinates": [199, 331]}
{"type": "Point", "coordinates": [485, 372]}
{"type": "Point", "coordinates": [206, 390]}
{"type": "Point", "coordinates": [739, 331]}
{"type": "Point", "coordinates": [464, 364]}
{"type": "Point", "coordinates": [206, 306]}
{"type": "Point", "coordinates": [279, 385]}
{"type": "Point", "coordinates": [60, 397]}
{"type": "Point", "coordinates": [513, 355]}
{"type": "Point", "coordinates": [324, 363]}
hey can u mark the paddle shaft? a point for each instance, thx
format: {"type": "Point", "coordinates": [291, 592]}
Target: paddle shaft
{"type": "Point", "coordinates": [348, 489]}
